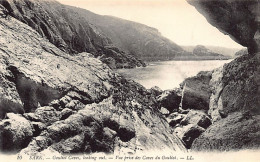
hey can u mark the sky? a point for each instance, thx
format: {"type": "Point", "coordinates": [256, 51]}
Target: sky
{"type": "Point", "coordinates": [175, 19]}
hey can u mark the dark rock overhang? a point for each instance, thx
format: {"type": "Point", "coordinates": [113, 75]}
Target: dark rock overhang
{"type": "Point", "coordinates": [240, 19]}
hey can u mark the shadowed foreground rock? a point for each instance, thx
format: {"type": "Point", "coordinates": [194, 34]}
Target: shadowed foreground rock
{"type": "Point", "coordinates": [234, 108]}
{"type": "Point", "coordinates": [170, 100]}
{"type": "Point", "coordinates": [196, 117]}
{"type": "Point", "coordinates": [236, 132]}
{"type": "Point", "coordinates": [15, 132]}
{"type": "Point", "coordinates": [189, 126]}
{"type": "Point", "coordinates": [189, 133]}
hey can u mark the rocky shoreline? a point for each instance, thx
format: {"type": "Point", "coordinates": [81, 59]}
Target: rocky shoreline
{"type": "Point", "coordinates": [201, 116]}
{"type": "Point", "coordinates": [52, 101]}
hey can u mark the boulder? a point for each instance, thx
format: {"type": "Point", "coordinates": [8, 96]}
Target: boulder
{"type": "Point", "coordinates": [189, 133]}
{"type": "Point", "coordinates": [64, 101]}
{"type": "Point", "coordinates": [65, 113]}
{"type": "Point", "coordinates": [156, 90]}
{"type": "Point", "coordinates": [196, 92]}
{"type": "Point", "coordinates": [238, 131]}
{"type": "Point", "coordinates": [216, 86]}
{"type": "Point", "coordinates": [241, 85]}
{"type": "Point", "coordinates": [197, 118]}
{"type": "Point", "coordinates": [235, 88]}
{"type": "Point", "coordinates": [188, 127]}
{"type": "Point", "coordinates": [32, 117]}
{"type": "Point", "coordinates": [37, 145]}
{"type": "Point", "coordinates": [8, 105]}
{"type": "Point", "coordinates": [38, 128]}
{"type": "Point", "coordinates": [47, 114]}
{"type": "Point", "coordinates": [164, 111]}
{"type": "Point", "coordinates": [169, 100]}
{"type": "Point", "coordinates": [15, 133]}
{"type": "Point", "coordinates": [72, 104]}
{"type": "Point", "coordinates": [70, 145]}
{"type": "Point", "coordinates": [175, 118]}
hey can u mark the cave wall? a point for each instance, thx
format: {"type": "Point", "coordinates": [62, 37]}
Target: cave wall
{"type": "Point", "coordinates": [234, 102]}
{"type": "Point", "coordinates": [240, 19]}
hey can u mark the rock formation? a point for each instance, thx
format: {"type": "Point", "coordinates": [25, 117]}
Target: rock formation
{"type": "Point", "coordinates": [140, 40]}
{"type": "Point", "coordinates": [241, 52]}
{"type": "Point", "coordinates": [69, 31]}
{"type": "Point", "coordinates": [117, 42]}
{"type": "Point", "coordinates": [169, 100]}
{"type": "Point", "coordinates": [234, 102]}
{"type": "Point", "coordinates": [219, 110]}
{"type": "Point", "coordinates": [238, 131]}
{"type": "Point", "coordinates": [53, 101]}
{"type": "Point", "coordinates": [196, 92]}
{"type": "Point", "coordinates": [239, 19]}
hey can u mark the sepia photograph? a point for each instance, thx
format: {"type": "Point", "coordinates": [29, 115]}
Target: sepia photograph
{"type": "Point", "coordinates": [130, 80]}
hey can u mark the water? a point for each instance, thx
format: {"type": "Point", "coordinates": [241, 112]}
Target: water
{"type": "Point", "coordinates": [169, 74]}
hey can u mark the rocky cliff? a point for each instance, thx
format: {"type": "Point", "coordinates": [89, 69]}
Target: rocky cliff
{"type": "Point", "coordinates": [119, 43]}
{"type": "Point", "coordinates": [217, 110]}
{"type": "Point", "coordinates": [234, 105]}
{"type": "Point", "coordinates": [241, 52]}
{"type": "Point", "coordinates": [140, 40]}
{"type": "Point", "coordinates": [50, 100]}
{"type": "Point", "coordinates": [68, 30]}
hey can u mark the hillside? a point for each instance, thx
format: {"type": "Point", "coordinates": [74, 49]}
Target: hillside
{"type": "Point", "coordinates": [118, 42]}
{"type": "Point", "coordinates": [230, 52]}
{"type": "Point", "coordinates": [140, 40]}
{"type": "Point", "coordinates": [200, 52]}
{"type": "Point", "coordinates": [69, 31]}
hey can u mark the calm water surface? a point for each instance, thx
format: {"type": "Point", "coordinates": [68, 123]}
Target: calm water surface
{"type": "Point", "coordinates": [169, 74]}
